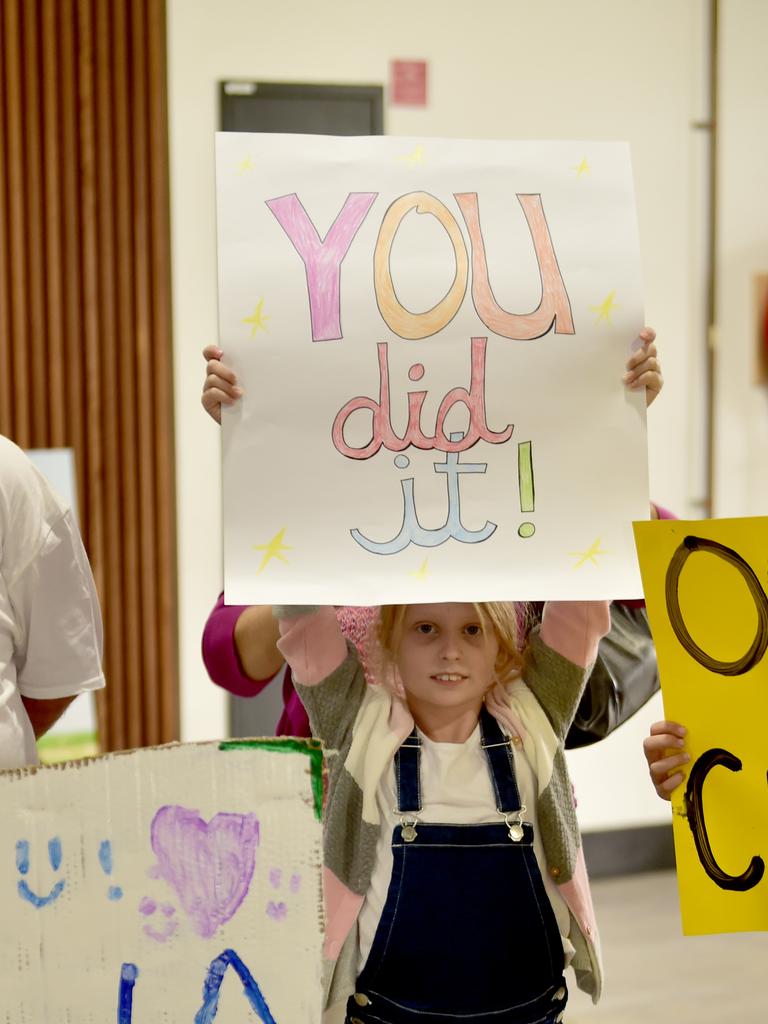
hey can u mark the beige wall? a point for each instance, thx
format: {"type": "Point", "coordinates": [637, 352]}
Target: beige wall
{"type": "Point", "coordinates": [742, 406]}
{"type": "Point", "coordinates": [598, 69]}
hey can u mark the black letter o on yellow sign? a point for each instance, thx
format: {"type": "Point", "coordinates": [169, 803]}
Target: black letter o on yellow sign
{"type": "Point", "coordinates": [759, 644]}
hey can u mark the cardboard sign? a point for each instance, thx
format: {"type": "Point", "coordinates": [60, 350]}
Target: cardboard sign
{"type": "Point", "coordinates": [180, 884]}
{"type": "Point", "coordinates": [431, 336]}
{"type": "Point", "coordinates": [706, 587]}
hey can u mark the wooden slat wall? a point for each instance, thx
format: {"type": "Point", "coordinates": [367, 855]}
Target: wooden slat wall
{"type": "Point", "coordinates": [85, 339]}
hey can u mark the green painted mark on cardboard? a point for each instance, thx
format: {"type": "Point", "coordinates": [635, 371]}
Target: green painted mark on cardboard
{"type": "Point", "coordinates": [290, 745]}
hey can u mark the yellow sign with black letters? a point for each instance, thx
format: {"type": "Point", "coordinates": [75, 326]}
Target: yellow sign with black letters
{"type": "Point", "coordinates": [706, 589]}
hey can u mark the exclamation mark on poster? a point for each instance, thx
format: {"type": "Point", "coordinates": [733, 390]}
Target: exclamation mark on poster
{"type": "Point", "coordinates": [526, 485]}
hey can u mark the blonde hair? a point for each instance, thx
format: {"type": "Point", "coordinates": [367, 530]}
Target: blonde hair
{"type": "Point", "coordinates": [502, 616]}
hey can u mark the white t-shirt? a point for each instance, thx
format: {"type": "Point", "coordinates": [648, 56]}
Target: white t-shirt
{"type": "Point", "coordinates": [50, 622]}
{"type": "Point", "coordinates": [456, 789]}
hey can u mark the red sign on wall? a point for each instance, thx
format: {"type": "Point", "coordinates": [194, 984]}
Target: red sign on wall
{"type": "Point", "coordinates": [408, 83]}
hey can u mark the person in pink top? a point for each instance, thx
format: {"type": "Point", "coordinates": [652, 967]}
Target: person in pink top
{"type": "Point", "coordinates": [240, 653]}
{"type": "Point", "coordinates": [239, 643]}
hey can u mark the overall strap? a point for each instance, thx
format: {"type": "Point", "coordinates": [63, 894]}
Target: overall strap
{"type": "Point", "coordinates": [501, 763]}
{"type": "Point", "coordinates": [408, 775]}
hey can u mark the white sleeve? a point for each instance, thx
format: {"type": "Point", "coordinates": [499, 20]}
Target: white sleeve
{"type": "Point", "coordinates": [57, 619]}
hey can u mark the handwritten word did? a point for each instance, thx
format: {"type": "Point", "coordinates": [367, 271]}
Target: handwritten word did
{"type": "Point", "coordinates": [382, 433]}
{"type": "Point", "coordinates": [323, 257]}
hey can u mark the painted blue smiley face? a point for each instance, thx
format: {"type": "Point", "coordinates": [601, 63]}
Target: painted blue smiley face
{"type": "Point", "coordinates": [114, 892]}
{"type": "Point", "coordinates": [22, 863]}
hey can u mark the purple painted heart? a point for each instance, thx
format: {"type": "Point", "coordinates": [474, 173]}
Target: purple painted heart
{"type": "Point", "coordinates": [209, 864]}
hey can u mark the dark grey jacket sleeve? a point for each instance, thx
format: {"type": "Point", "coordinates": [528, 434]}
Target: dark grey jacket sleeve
{"type": "Point", "coordinates": [624, 678]}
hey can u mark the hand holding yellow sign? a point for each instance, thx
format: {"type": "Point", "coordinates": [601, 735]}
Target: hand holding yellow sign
{"type": "Point", "coordinates": [706, 585]}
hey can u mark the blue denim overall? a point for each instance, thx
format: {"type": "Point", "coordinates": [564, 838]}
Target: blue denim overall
{"type": "Point", "coordinates": [467, 933]}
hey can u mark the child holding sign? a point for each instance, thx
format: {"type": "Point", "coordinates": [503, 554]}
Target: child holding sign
{"type": "Point", "coordinates": [455, 880]}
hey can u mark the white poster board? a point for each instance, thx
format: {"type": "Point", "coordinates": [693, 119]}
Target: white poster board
{"type": "Point", "coordinates": [180, 884]}
{"type": "Point", "coordinates": [431, 336]}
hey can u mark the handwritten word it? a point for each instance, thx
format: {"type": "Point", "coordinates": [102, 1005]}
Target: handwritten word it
{"type": "Point", "coordinates": [382, 433]}
{"type": "Point", "coordinates": [411, 530]}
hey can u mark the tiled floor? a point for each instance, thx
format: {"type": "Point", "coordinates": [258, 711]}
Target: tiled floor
{"type": "Point", "coordinates": [655, 974]}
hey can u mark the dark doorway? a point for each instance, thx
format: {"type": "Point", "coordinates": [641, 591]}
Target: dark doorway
{"type": "Point", "coordinates": [303, 109]}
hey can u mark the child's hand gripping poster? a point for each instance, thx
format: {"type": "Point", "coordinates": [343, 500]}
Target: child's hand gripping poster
{"type": "Point", "coordinates": [431, 337]}
{"type": "Point", "coordinates": [706, 587]}
{"type": "Point", "coordinates": [179, 885]}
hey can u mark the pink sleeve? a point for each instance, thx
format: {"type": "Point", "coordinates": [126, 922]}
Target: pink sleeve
{"type": "Point", "coordinates": [313, 645]}
{"type": "Point", "coordinates": [663, 513]}
{"type": "Point", "coordinates": [220, 653]}
{"type": "Point", "coordinates": [575, 628]}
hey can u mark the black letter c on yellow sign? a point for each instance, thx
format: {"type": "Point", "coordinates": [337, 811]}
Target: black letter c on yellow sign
{"type": "Point", "coordinates": [694, 807]}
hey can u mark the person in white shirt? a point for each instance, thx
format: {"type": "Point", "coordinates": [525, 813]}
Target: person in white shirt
{"type": "Point", "coordinates": [50, 621]}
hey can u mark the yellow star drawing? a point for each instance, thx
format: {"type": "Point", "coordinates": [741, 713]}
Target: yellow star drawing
{"type": "Point", "coordinates": [245, 165]}
{"type": "Point", "coordinates": [605, 308]}
{"type": "Point", "coordinates": [590, 555]}
{"type": "Point", "coordinates": [416, 157]}
{"type": "Point", "coordinates": [272, 550]}
{"type": "Point", "coordinates": [422, 572]}
{"type": "Point", "coordinates": [258, 320]}
{"type": "Point", "coordinates": [582, 168]}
